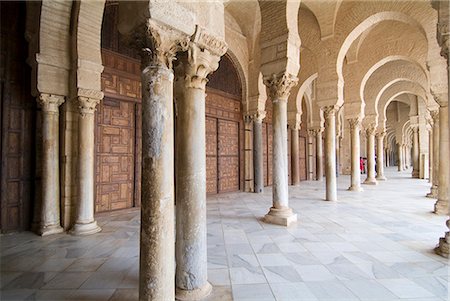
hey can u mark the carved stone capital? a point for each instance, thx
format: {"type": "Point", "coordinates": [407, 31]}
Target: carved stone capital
{"type": "Point", "coordinates": [329, 111]}
{"type": "Point", "coordinates": [435, 116]}
{"type": "Point", "coordinates": [50, 103]}
{"type": "Point", "coordinates": [370, 130]}
{"type": "Point", "coordinates": [381, 134]}
{"type": "Point", "coordinates": [280, 86]}
{"type": "Point", "coordinates": [354, 123]}
{"type": "Point", "coordinates": [415, 128]}
{"type": "Point", "coordinates": [259, 116]}
{"type": "Point", "coordinates": [87, 105]}
{"type": "Point", "coordinates": [205, 41]}
{"type": "Point", "coordinates": [160, 44]}
{"type": "Point", "coordinates": [198, 65]}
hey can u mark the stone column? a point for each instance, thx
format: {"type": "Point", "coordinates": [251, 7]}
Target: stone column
{"type": "Point", "coordinates": [441, 206]}
{"type": "Point", "coordinates": [295, 156]}
{"type": "Point", "coordinates": [85, 223]}
{"type": "Point", "coordinates": [430, 153]}
{"type": "Point", "coordinates": [191, 277]}
{"type": "Point", "coordinates": [311, 135]}
{"type": "Point", "coordinates": [370, 136]}
{"type": "Point", "coordinates": [48, 217]}
{"type": "Point", "coordinates": [330, 152]}
{"type": "Point", "coordinates": [380, 156]}
{"type": "Point", "coordinates": [279, 88]}
{"type": "Point", "coordinates": [249, 184]}
{"type": "Point", "coordinates": [400, 157]}
{"type": "Point", "coordinates": [415, 156]}
{"type": "Point", "coordinates": [258, 154]}
{"type": "Point", "coordinates": [157, 237]}
{"type": "Point", "coordinates": [319, 155]}
{"type": "Point", "coordinates": [355, 178]}
{"type": "Point", "coordinates": [436, 149]}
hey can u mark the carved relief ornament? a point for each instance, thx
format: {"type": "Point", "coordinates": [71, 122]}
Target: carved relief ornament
{"type": "Point", "coordinates": [280, 86]}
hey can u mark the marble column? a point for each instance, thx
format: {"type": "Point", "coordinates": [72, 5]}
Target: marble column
{"type": "Point", "coordinates": [355, 128]}
{"type": "Point", "coordinates": [48, 217]}
{"type": "Point", "coordinates": [338, 155]}
{"type": "Point", "coordinates": [430, 154]}
{"type": "Point", "coordinates": [258, 153]}
{"type": "Point", "coordinates": [441, 206]}
{"type": "Point", "coordinates": [436, 149]}
{"type": "Point", "coordinates": [329, 113]}
{"type": "Point", "coordinates": [400, 157]}
{"type": "Point", "coordinates": [319, 155]}
{"type": "Point", "coordinates": [191, 277]}
{"type": "Point", "coordinates": [311, 136]}
{"type": "Point", "coordinates": [295, 156]}
{"type": "Point", "coordinates": [279, 87]}
{"type": "Point", "coordinates": [85, 223]}
{"type": "Point", "coordinates": [415, 153]}
{"type": "Point", "coordinates": [370, 136]}
{"type": "Point", "coordinates": [380, 156]}
{"type": "Point", "coordinates": [157, 237]}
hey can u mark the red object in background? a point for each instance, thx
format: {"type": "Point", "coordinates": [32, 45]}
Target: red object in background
{"type": "Point", "coordinates": [361, 164]}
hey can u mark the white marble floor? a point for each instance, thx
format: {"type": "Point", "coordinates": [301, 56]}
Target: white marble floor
{"type": "Point", "coordinates": [372, 245]}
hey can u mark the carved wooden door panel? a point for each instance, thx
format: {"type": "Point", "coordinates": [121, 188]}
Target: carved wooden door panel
{"type": "Point", "coordinates": [302, 153]}
{"type": "Point", "coordinates": [115, 158]}
{"type": "Point", "coordinates": [228, 165]}
{"type": "Point", "coordinates": [211, 155]}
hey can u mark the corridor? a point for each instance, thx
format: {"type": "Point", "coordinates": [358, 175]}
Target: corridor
{"type": "Point", "coordinates": [374, 245]}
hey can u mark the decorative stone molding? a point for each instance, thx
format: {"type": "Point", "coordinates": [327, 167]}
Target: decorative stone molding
{"type": "Point", "coordinates": [87, 105]}
{"type": "Point", "coordinates": [440, 97]}
{"type": "Point", "coordinates": [280, 86]}
{"type": "Point", "coordinates": [160, 43]}
{"type": "Point", "coordinates": [213, 44]}
{"type": "Point", "coordinates": [50, 102]}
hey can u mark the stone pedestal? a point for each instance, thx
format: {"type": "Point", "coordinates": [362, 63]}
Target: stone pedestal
{"type": "Point", "coordinates": [355, 178]}
{"type": "Point", "coordinates": [279, 88]}
{"type": "Point", "coordinates": [436, 149]}
{"type": "Point", "coordinates": [319, 155]}
{"type": "Point", "coordinates": [295, 157]}
{"type": "Point", "coordinates": [85, 223]}
{"type": "Point", "coordinates": [443, 248]}
{"type": "Point", "coordinates": [380, 156]}
{"type": "Point", "coordinates": [258, 154]}
{"type": "Point", "coordinates": [49, 215]}
{"type": "Point", "coordinates": [441, 206]}
{"type": "Point", "coordinates": [330, 153]}
{"type": "Point", "coordinates": [415, 155]}
{"type": "Point", "coordinates": [191, 276]}
{"type": "Point", "coordinates": [370, 135]}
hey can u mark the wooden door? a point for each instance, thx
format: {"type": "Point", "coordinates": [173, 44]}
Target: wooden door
{"type": "Point", "coordinates": [211, 155]}
{"type": "Point", "coordinates": [228, 155]}
{"type": "Point", "coordinates": [115, 158]}
{"type": "Point", "coordinates": [17, 122]}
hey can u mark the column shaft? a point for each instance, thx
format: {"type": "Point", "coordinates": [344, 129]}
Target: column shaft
{"type": "Point", "coordinates": [258, 158]}
{"type": "Point", "coordinates": [436, 149]}
{"type": "Point", "coordinates": [380, 157]}
{"type": "Point", "coordinates": [441, 206]}
{"type": "Point", "coordinates": [310, 155]}
{"type": "Point", "coordinates": [49, 215]}
{"type": "Point", "coordinates": [355, 155]}
{"type": "Point", "coordinates": [330, 153]}
{"type": "Point", "coordinates": [400, 157]}
{"type": "Point", "coordinates": [370, 134]}
{"type": "Point", "coordinates": [319, 155]}
{"type": "Point", "coordinates": [415, 155]}
{"type": "Point", "coordinates": [295, 157]}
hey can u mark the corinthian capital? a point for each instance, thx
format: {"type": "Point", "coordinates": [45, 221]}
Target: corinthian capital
{"type": "Point", "coordinates": [435, 116]}
{"type": "Point", "coordinates": [87, 105]}
{"type": "Point", "coordinates": [354, 123]}
{"type": "Point", "coordinates": [370, 130]}
{"type": "Point", "coordinates": [50, 102]}
{"type": "Point", "coordinates": [280, 86]}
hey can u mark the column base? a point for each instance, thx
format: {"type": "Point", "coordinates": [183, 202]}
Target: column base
{"type": "Point", "coordinates": [191, 295]}
{"type": "Point", "coordinates": [415, 174]}
{"type": "Point", "coordinates": [433, 192]}
{"type": "Point", "coordinates": [370, 182]}
{"type": "Point", "coordinates": [381, 178]}
{"type": "Point", "coordinates": [443, 248]}
{"type": "Point", "coordinates": [48, 230]}
{"type": "Point", "coordinates": [282, 217]}
{"type": "Point", "coordinates": [355, 188]}
{"type": "Point", "coordinates": [441, 207]}
{"type": "Point", "coordinates": [85, 229]}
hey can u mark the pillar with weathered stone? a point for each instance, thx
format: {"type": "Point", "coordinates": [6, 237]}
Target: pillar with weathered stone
{"type": "Point", "coordinates": [436, 149]}
{"type": "Point", "coordinates": [370, 136]}
{"type": "Point", "coordinates": [258, 154]}
{"type": "Point", "coordinates": [279, 87]}
{"type": "Point", "coordinates": [415, 153]}
{"type": "Point", "coordinates": [191, 249]}
{"type": "Point", "coordinates": [380, 156]}
{"type": "Point", "coordinates": [329, 113]}
{"type": "Point", "coordinates": [441, 206]}
{"type": "Point", "coordinates": [311, 136]}
{"type": "Point", "coordinates": [295, 156]}
{"type": "Point", "coordinates": [48, 217]}
{"type": "Point", "coordinates": [319, 154]}
{"type": "Point", "coordinates": [400, 157]}
{"type": "Point", "coordinates": [85, 223]}
{"type": "Point", "coordinates": [355, 127]}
